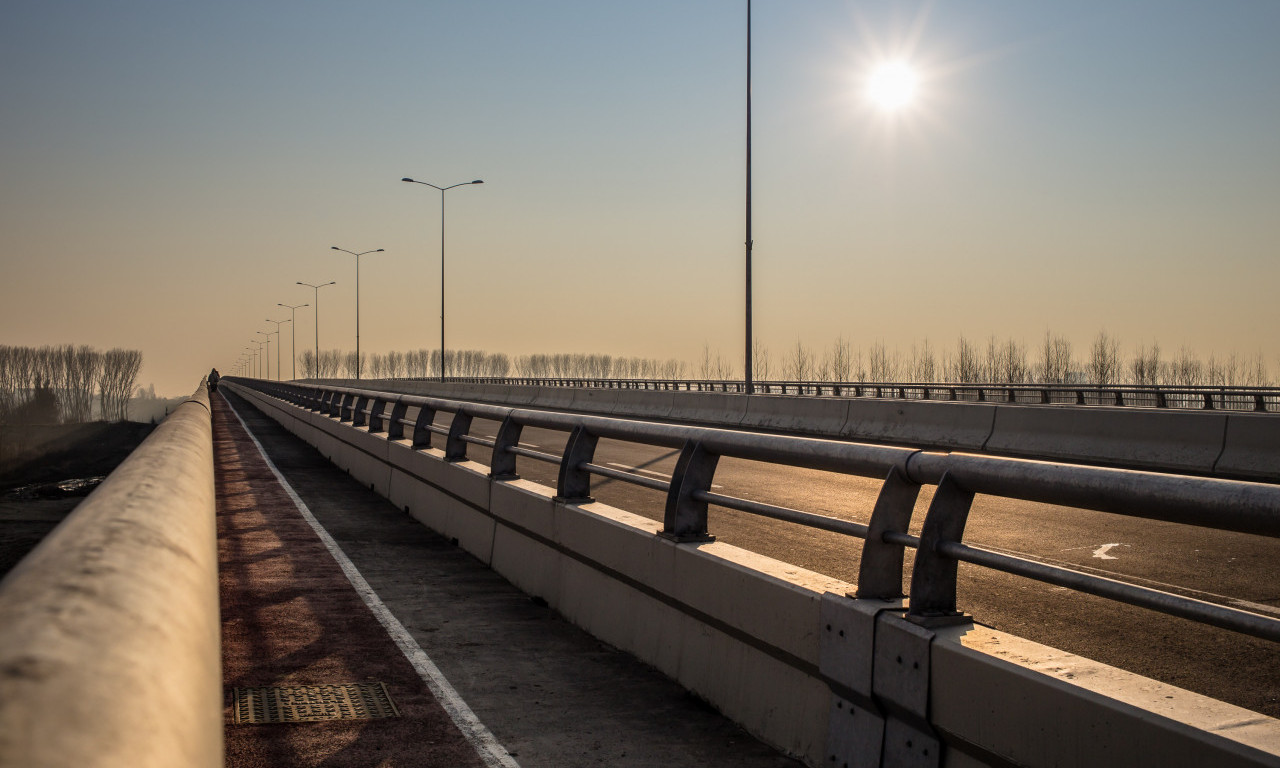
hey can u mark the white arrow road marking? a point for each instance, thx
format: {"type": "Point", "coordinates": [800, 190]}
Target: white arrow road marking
{"type": "Point", "coordinates": [1101, 552]}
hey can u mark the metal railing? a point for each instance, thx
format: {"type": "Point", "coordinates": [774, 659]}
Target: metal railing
{"type": "Point", "coordinates": [1229, 505]}
{"type": "Point", "coordinates": [1229, 398]}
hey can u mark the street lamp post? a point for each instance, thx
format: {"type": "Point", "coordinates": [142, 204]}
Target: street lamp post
{"type": "Point", "coordinates": [293, 336]}
{"type": "Point", "coordinates": [747, 381]}
{"type": "Point", "coordinates": [442, 191]}
{"type": "Point", "coordinates": [279, 344]}
{"type": "Point", "coordinates": [267, 355]}
{"type": "Point", "coordinates": [317, 290]}
{"type": "Point", "coordinates": [357, 255]}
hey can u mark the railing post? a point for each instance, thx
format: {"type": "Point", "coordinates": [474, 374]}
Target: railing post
{"type": "Point", "coordinates": [395, 423]}
{"type": "Point", "coordinates": [502, 466]}
{"type": "Point", "coordinates": [880, 569]}
{"type": "Point", "coordinates": [933, 580]}
{"type": "Point", "coordinates": [685, 519]}
{"type": "Point", "coordinates": [358, 414]}
{"type": "Point", "coordinates": [345, 410]}
{"type": "Point", "coordinates": [455, 448]}
{"type": "Point", "coordinates": [574, 484]}
{"type": "Point", "coordinates": [422, 427]}
{"type": "Point", "coordinates": [1259, 403]}
{"type": "Point", "coordinates": [377, 422]}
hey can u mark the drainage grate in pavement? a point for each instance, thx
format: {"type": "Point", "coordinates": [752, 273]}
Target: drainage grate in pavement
{"type": "Point", "coordinates": [310, 703]}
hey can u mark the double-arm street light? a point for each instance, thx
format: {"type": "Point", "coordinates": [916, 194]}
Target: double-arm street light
{"type": "Point", "coordinates": [293, 336]}
{"type": "Point", "coordinates": [279, 344]}
{"type": "Point", "coordinates": [442, 191]}
{"type": "Point", "coordinates": [267, 354]}
{"type": "Point", "coordinates": [357, 255]}
{"type": "Point", "coordinates": [317, 306]}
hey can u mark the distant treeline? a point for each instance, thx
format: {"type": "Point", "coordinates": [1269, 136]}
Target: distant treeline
{"type": "Point", "coordinates": [1053, 360]}
{"type": "Point", "coordinates": [50, 384]}
{"type": "Point", "coordinates": [423, 363]}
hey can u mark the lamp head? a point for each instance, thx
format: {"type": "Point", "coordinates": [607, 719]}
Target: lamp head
{"type": "Point", "coordinates": [478, 181]}
{"type": "Point", "coordinates": [334, 248]}
{"type": "Point", "coordinates": [406, 179]}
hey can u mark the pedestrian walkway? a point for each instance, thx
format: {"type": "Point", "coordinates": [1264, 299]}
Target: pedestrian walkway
{"type": "Point", "coordinates": [326, 584]}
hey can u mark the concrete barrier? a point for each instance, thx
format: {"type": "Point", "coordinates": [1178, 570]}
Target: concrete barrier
{"type": "Point", "coordinates": [1137, 439]}
{"type": "Point", "coordinates": [1252, 447]}
{"type": "Point", "coordinates": [786, 654]}
{"type": "Point", "coordinates": [920, 423]}
{"type": "Point", "coordinates": [109, 629]}
{"type": "Point", "coordinates": [712, 408]}
{"type": "Point", "coordinates": [807, 415]}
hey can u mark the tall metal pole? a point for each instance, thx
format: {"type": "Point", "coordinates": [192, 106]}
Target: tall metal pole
{"type": "Point", "coordinates": [357, 255]}
{"type": "Point", "coordinates": [317, 291]}
{"type": "Point", "coordinates": [442, 191]}
{"type": "Point", "coordinates": [267, 356]}
{"type": "Point", "coordinates": [747, 368]}
{"type": "Point", "coordinates": [293, 336]}
{"type": "Point", "coordinates": [442, 357]}
{"type": "Point", "coordinates": [279, 344]}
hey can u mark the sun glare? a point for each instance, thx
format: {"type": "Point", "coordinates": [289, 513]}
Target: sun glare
{"type": "Point", "coordinates": [892, 86]}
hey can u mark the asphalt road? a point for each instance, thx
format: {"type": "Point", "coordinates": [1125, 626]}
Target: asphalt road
{"type": "Point", "coordinates": [1235, 569]}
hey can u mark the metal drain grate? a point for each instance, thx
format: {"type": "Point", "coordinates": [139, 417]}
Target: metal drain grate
{"type": "Point", "coordinates": [309, 703]}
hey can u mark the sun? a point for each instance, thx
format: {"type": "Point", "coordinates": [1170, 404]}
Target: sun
{"type": "Point", "coordinates": [892, 86]}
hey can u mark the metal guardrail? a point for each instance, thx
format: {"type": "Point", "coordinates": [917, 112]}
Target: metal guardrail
{"type": "Point", "coordinates": [1212, 503]}
{"type": "Point", "coordinates": [1259, 399]}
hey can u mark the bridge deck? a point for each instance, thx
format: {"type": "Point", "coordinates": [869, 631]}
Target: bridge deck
{"type": "Point", "coordinates": [482, 675]}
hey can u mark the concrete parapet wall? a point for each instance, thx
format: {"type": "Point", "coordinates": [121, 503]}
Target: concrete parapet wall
{"type": "Point", "coordinates": [1143, 438]}
{"type": "Point", "coordinates": [109, 629]}
{"type": "Point", "coordinates": [1252, 447]}
{"type": "Point", "coordinates": [785, 653]}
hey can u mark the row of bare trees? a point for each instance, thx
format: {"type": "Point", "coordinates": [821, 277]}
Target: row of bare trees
{"type": "Point", "coordinates": [1008, 361]}
{"type": "Point", "coordinates": [64, 379]}
{"type": "Point", "coordinates": [417, 363]}
{"type": "Point", "coordinates": [1053, 360]}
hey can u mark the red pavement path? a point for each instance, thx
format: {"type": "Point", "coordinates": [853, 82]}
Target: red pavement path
{"type": "Point", "coordinates": [290, 617]}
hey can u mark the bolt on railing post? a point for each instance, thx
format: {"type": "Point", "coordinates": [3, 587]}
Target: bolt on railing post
{"type": "Point", "coordinates": [502, 466]}
{"type": "Point", "coordinates": [685, 518]}
{"type": "Point", "coordinates": [880, 569]}
{"type": "Point", "coordinates": [455, 448]}
{"type": "Point", "coordinates": [574, 483]}
{"type": "Point", "coordinates": [422, 427]}
{"type": "Point", "coordinates": [933, 579]}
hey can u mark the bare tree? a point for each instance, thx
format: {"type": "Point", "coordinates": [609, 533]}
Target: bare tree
{"type": "Point", "coordinates": [798, 366]}
{"type": "Point", "coordinates": [924, 364]}
{"type": "Point", "coordinates": [1144, 368]}
{"type": "Point", "coordinates": [116, 380]}
{"type": "Point", "coordinates": [881, 365]}
{"type": "Point", "coordinates": [841, 359]}
{"type": "Point", "coordinates": [1055, 360]}
{"type": "Point", "coordinates": [760, 361]}
{"type": "Point", "coordinates": [1104, 360]}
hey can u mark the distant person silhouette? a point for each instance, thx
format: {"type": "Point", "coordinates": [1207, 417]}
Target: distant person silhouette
{"type": "Point", "coordinates": [213, 380]}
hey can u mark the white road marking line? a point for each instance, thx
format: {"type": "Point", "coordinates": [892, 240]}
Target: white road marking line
{"type": "Point", "coordinates": [1256, 606]}
{"type": "Point", "coordinates": [1101, 552]}
{"type": "Point", "coordinates": [630, 468]}
{"type": "Point", "coordinates": [487, 747]}
{"type": "Point", "coordinates": [638, 469]}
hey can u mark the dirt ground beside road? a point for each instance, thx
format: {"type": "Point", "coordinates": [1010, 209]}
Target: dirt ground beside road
{"type": "Point", "coordinates": [35, 467]}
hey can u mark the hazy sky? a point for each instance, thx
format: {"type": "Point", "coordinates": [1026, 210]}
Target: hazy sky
{"type": "Point", "coordinates": [169, 170]}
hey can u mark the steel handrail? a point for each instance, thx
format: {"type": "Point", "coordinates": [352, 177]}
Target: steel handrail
{"type": "Point", "coordinates": [1208, 502]}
